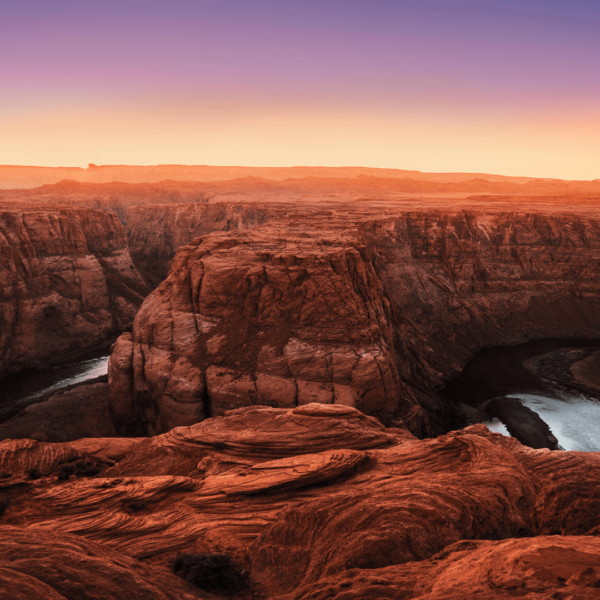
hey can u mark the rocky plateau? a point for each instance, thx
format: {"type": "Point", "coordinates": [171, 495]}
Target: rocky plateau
{"type": "Point", "coordinates": [370, 312]}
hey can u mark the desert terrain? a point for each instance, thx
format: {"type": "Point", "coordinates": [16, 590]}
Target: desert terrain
{"type": "Point", "coordinates": [279, 347]}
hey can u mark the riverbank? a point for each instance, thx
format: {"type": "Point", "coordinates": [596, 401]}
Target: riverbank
{"type": "Point", "coordinates": [23, 389]}
{"type": "Point", "coordinates": [71, 413]}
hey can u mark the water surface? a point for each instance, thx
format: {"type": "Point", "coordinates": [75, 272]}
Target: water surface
{"type": "Point", "coordinates": [573, 417]}
{"type": "Point", "coordinates": [22, 389]}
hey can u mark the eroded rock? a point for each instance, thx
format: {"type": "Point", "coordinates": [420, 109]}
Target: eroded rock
{"type": "Point", "coordinates": [67, 284]}
{"type": "Point", "coordinates": [374, 313]}
{"type": "Point", "coordinates": [317, 501]}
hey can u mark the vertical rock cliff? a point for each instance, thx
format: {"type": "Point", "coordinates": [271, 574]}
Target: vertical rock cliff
{"type": "Point", "coordinates": [67, 283]}
{"type": "Point", "coordinates": [155, 232]}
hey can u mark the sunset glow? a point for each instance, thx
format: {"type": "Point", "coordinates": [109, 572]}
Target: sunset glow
{"type": "Point", "coordinates": [505, 87]}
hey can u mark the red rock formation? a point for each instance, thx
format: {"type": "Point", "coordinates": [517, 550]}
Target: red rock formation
{"type": "Point", "coordinates": [67, 283]}
{"type": "Point", "coordinates": [318, 502]}
{"type": "Point", "coordinates": [273, 317]}
{"type": "Point", "coordinates": [586, 372]}
{"type": "Point", "coordinates": [375, 314]}
{"type": "Point", "coordinates": [38, 565]}
{"type": "Point", "coordinates": [545, 568]}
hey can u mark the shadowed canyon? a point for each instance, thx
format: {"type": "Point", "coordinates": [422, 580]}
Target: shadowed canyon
{"type": "Point", "coordinates": [269, 364]}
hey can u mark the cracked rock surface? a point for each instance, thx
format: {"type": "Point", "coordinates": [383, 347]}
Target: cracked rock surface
{"type": "Point", "coordinates": [67, 284]}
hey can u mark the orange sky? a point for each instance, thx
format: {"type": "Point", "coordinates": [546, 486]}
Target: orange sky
{"type": "Point", "coordinates": [541, 145]}
{"type": "Point", "coordinates": [505, 87]}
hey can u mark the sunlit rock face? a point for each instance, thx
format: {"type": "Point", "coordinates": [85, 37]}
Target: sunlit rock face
{"type": "Point", "coordinates": [373, 313]}
{"type": "Point", "coordinates": [67, 283]}
{"type": "Point", "coordinates": [265, 317]}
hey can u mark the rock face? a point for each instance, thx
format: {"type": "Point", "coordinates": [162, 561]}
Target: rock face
{"type": "Point", "coordinates": [540, 569]}
{"type": "Point", "coordinates": [67, 283]}
{"type": "Point", "coordinates": [264, 317]}
{"type": "Point", "coordinates": [318, 501]}
{"type": "Point", "coordinates": [350, 310]}
{"type": "Point", "coordinates": [47, 566]}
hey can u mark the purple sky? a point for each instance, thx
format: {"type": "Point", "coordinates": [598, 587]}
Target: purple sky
{"type": "Point", "coordinates": [506, 85]}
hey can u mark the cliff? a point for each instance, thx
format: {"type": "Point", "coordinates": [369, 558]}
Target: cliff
{"type": "Point", "coordinates": [155, 232]}
{"type": "Point", "coordinates": [67, 283]}
{"type": "Point", "coordinates": [374, 313]}
{"type": "Point", "coordinates": [314, 502]}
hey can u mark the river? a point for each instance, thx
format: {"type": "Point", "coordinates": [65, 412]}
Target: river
{"type": "Point", "coordinates": [573, 417]}
{"type": "Point", "coordinates": [503, 372]}
{"type": "Point", "coordinates": [22, 389]}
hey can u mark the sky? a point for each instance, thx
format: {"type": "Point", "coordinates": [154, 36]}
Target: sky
{"type": "Point", "coordinates": [495, 86]}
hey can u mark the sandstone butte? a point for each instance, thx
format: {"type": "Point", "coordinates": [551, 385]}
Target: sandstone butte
{"type": "Point", "coordinates": [317, 501]}
{"type": "Point", "coordinates": [288, 369]}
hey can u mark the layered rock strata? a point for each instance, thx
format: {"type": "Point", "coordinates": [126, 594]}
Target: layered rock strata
{"type": "Point", "coordinates": [67, 283]}
{"type": "Point", "coordinates": [338, 309]}
{"type": "Point", "coordinates": [49, 566]}
{"type": "Point", "coordinates": [318, 501]}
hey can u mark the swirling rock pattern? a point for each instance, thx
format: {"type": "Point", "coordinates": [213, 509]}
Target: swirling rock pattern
{"type": "Point", "coordinates": [541, 569]}
{"type": "Point", "coordinates": [318, 501]}
{"type": "Point", "coordinates": [37, 565]}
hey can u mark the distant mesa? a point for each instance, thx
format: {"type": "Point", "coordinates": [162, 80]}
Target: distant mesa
{"type": "Point", "coordinates": [13, 176]}
{"type": "Point", "coordinates": [24, 177]}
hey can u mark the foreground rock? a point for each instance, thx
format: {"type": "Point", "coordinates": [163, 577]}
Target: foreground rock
{"type": "Point", "coordinates": [67, 284]}
{"type": "Point", "coordinates": [49, 566]}
{"type": "Point", "coordinates": [374, 313]}
{"type": "Point", "coordinates": [542, 569]}
{"type": "Point", "coordinates": [322, 502]}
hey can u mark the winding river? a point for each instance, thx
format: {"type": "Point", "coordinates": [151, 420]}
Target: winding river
{"type": "Point", "coordinates": [506, 372]}
{"type": "Point", "coordinates": [22, 389]}
{"type": "Point", "coordinates": [494, 373]}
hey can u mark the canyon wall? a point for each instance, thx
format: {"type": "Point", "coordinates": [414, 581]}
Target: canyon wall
{"type": "Point", "coordinates": [372, 313]}
{"type": "Point", "coordinates": [458, 282]}
{"type": "Point", "coordinates": [67, 283]}
{"type": "Point", "coordinates": [155, 232]}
